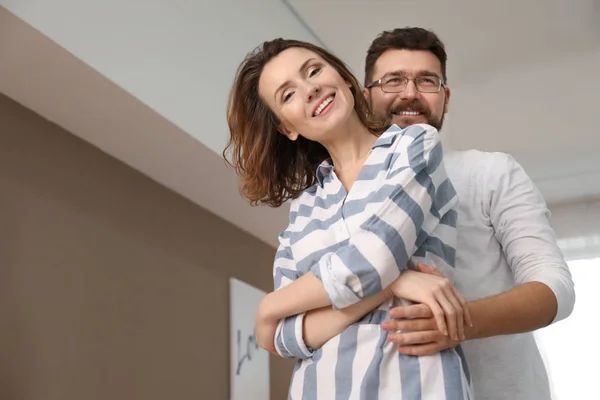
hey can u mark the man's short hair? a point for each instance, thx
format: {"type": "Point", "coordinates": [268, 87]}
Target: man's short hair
{"type": "Point", "coordinates": [409, 38]}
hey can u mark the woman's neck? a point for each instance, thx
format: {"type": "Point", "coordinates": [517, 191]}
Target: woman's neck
{"type": "Point", "coordinates": [351, 146]}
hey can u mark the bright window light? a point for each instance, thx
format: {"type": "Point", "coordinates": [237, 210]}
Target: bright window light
{"type": "Point", "coordinates": [570, 347]}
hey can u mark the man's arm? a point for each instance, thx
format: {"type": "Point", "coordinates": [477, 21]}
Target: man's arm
{"type": "Point", "coordinates": [544, 293]}
{"type": "Point", "coordinates": [491, 316]}
{"type": "Point", "coordinates": [521, 221]}
{"type": "Point", "coordinates": [503, 314]}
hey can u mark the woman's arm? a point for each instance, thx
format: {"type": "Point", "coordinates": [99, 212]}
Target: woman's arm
{"type": "Point", "coordinates": [320, 325]}
{"type": "Point", "coordinates": [299, 335]}
{"type": "Point", "coordinates": [323, 324]}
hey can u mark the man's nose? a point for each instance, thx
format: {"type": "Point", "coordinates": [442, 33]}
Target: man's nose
{"type": "Point", "coordinates": [410, 92]}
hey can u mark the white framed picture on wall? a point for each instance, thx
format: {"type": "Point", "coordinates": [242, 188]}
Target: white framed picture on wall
{"type": "Point", "coordinates": [249, 365]}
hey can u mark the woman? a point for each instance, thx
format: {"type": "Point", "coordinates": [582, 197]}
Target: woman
{"type": "Point", "coordinates": [366, 202]}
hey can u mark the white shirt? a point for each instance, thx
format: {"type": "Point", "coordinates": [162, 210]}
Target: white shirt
{"type": "Point", "coordinates": [504, 239]}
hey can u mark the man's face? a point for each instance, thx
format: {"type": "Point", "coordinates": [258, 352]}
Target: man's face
{"type": "Point", "coordinates": [409, 106]}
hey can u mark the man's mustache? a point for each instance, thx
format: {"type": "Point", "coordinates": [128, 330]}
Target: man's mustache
{"type": "Point", "coordinates": [412, 106]}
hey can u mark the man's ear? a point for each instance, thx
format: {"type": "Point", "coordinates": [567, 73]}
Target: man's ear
{"type": "Point", "coordinates": [367, 93]}
{"type": "Point", "coordinates": [446, 100]}
{"type": "Point", "coordinates": [290, 134]}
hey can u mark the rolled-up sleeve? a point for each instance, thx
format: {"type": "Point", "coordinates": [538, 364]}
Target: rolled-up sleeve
{"type": "Point", "coordinates": [522, 223]}
{"type": "Point", "coordinates": [289, 342]}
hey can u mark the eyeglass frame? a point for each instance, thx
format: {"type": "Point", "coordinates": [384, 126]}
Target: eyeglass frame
{"type": "Point", "coordinates": [379, 82]}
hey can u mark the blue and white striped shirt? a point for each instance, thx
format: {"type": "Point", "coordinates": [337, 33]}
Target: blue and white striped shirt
{"type": "Point", "coordinates": [399, 211]}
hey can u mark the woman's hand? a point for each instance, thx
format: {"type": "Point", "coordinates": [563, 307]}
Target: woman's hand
{"type": "Point", "coordinates": [448, 306]}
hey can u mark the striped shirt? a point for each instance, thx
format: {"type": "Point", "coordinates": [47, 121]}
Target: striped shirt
{"type": "Point", "coordinates": [401, 210]}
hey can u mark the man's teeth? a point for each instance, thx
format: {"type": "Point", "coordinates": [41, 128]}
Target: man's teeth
{"type": "Point", "coordinates": [407, 113]}
{"type": "Point", "coordinates": [324, 104]}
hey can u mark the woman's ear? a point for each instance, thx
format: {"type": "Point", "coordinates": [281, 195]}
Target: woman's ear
{"type": "Point", "coordinates": [288, 133]}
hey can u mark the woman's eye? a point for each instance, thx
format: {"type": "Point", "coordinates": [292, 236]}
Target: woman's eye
{"type": "Point", "coordinates": [287, 96]}
{"type": "Point", "coordinates": [314, 71]}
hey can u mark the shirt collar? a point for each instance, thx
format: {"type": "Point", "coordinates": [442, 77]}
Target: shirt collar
{"type": "Point", "coordinates": [324, 170]}
{"type": "Point", "coordinates": [387, 137]}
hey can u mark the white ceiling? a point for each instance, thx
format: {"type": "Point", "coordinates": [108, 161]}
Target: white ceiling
{"type": "Point", "coordinates": [526, 84]}
{"type": "Point", "coordinates": [524, 75]}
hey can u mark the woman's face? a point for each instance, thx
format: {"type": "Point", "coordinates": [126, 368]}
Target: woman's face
{"type": "Point", "coordinates": [309, 96]}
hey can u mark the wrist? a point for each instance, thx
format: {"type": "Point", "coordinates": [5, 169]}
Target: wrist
{"type": "Point", "coordinates": [388, 292]}
{"type": "Point", "coordinates": [472, 332]}
{"type": "Point", "coordinates": [397, 287]}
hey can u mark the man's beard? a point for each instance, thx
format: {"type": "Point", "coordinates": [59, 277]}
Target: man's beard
{"type": "Point", "coordinates": [415, 105]}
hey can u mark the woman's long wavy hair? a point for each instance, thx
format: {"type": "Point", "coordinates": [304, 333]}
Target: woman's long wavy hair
{"type": "Point", "coordinates": [273, 168]}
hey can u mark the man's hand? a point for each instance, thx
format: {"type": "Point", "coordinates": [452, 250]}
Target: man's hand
{"type": "Point", "coordinates": [420, 336]}
{"type": "Point", "coordinates": [448, 306]}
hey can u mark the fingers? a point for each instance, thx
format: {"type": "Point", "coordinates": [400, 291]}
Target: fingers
{"type": "Point", "coordinates": [440, 295]}
{"type": "Point", "coordinates": [440, 301]}
{"type": "Point", "coordinates": [411, 338]}
{"type": "Point", "coordinates": [413, 311]}
{"type": "Point", "coordinates": [465, 306]}
{"type": "Point", "coordinates": [438, 314]}
{"type": "Point", "coordinates": [458, 317]}
{"type": "Point", "coordinates": [417, 324]}
{"type": "Point", "coordinates": [427, 269]}
{"type": "Point", "coordinates": [448, 302]}
{"type": "Point", "coordinates": [421, 343]}
{"type": "Point", "coordinates": [423, 349]}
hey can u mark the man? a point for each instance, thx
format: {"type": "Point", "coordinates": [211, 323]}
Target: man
{"type": "Point", "coordinates": [507, 256]}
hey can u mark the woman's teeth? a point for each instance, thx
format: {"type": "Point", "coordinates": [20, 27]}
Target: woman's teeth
{"type": "Point", "coordinates": [324, 104]}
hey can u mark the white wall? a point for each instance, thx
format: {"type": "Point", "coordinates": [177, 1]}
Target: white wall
{"type": "Point", "coordinates": [176, 56]}
{"type": "Point", "coordinates": [577, 227]}
{"type": "Point", "coordinates": [147, 82]}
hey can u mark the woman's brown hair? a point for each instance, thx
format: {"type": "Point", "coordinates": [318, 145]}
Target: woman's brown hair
{"type": "Point", "coordinates": [273, 168]}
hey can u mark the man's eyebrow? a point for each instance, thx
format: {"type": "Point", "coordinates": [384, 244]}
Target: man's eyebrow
{"type": "Point", "coordinates": [422, 72]}
{"type": "Point", "coordinates": [301, 70]}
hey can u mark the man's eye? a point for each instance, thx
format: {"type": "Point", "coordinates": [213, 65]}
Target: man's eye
{"type": "Point", "coordinates": [395, 80]}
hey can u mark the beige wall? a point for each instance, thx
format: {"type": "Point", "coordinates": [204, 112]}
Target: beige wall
{"type": "Point", "coordinates": [111, 286]}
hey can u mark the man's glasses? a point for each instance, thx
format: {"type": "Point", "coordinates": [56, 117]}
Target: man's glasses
{"type": "Point", "coordinates": [397, 83]}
